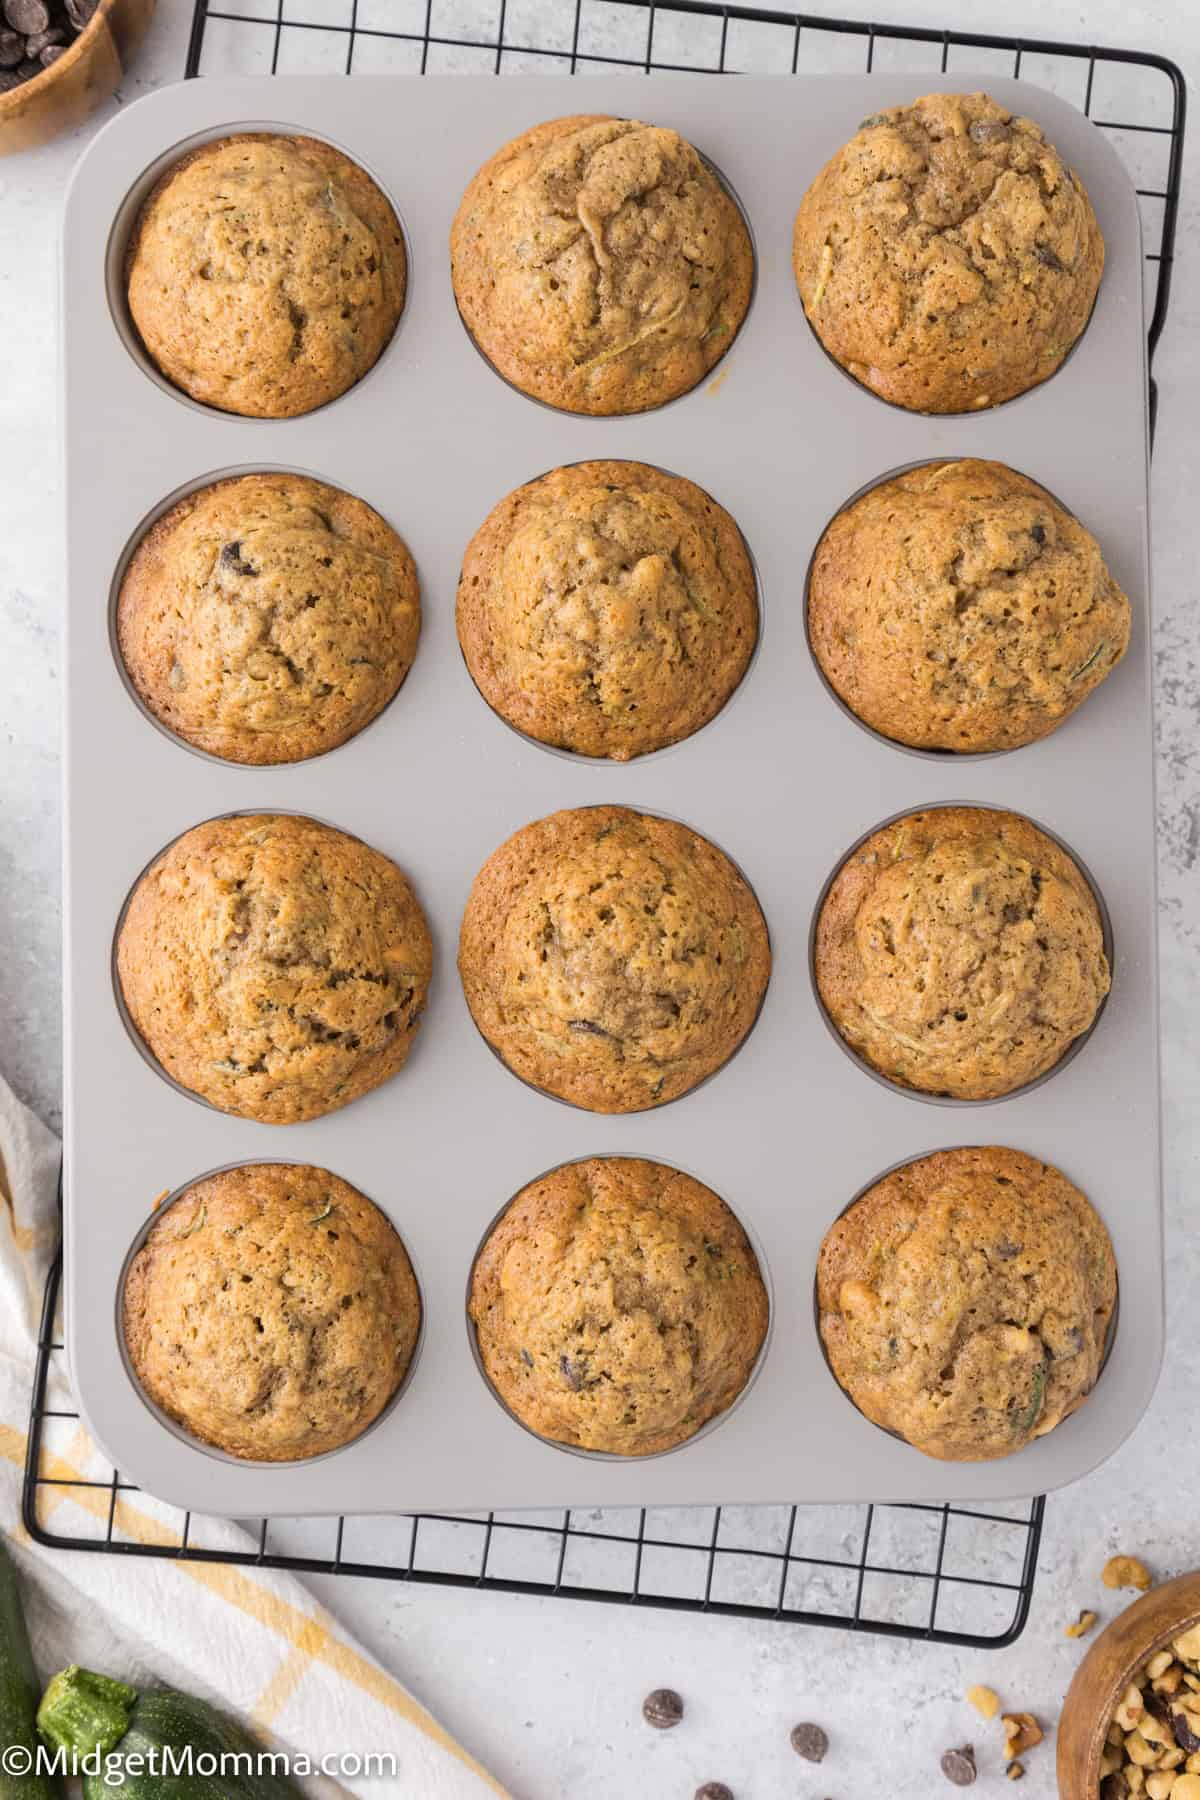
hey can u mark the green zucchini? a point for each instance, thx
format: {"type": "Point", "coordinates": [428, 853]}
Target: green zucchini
{"type": "Point", "coordinates": [18, 1693]}
{"type": "Point", "coordinates": [162, 1745]}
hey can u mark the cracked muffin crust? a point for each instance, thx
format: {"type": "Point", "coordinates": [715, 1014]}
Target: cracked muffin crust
{"type": "Point", "coordinates": [265, 274]}
{"type": "Point", "coordinates": [600, 265]}
{"type": "Point", "coordinates": [272, 1311]}
{"type": "Point", "coordinates": [607, 608]}
{"type": "Point", "coordinates": [965, 1301]}
{"type": "Point", "coordinates": [959, 607]}
{"type": "Point", "coordinates": [274, 966]}
{"type": "Point", "coordinates": [946, 256]}
{"type": "Point", "coordinates": [268, 618]}
{"type": "Point", "coordinates": [618, 1306]}
{"type": "Point", "coordinates": [960, 952]}
{"type": "Point", "coordinates": [612, 958]}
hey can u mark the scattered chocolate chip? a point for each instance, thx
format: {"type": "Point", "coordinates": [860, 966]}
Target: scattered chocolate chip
{"type": "Point", "coordinates": [714, 1790]}
{"type": "Point", "coordinates": [1038, 533]}
{"type": "Point", "coordinates": [41, 40]}
{"type": "Point", "coordinates": [79, 12]}
{"type": "Point", "coordinates": [51, 54]}
{"type": "Point", "coordinates": [662, 1709]}
{"type": "Point", "coordinates": [12, 49]}
{"type": "Point", "coordinates": [958, 1766]}
{"type": "Point", "coordinates": [1006, 1249]}
{"type": "Point", "coordinates": [527, 1359]}
{"type": "Point", "coordinates": [27, 16]}
{"type": "Point", "coordinates": [573, 1376]}
{"type": "Point", "coordinates": [810, 1742]}
{"type": "Point", "coordinates": [1047, 257]}
{"type": "Point", "coordinates": [231, 557]}
{"type": "Point", "coordinates": [987, 131]}
{"type": "Point", "coordinates": [589, 1026]}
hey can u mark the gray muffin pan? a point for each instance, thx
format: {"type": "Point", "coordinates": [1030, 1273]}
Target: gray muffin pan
{"type": "Point", "coordinates": [783, 780]}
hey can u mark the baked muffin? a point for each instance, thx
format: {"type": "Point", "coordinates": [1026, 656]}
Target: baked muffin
{"type": "Point", "coordinates": [607, 608]}
{"type": "Point", "coordinates": [268, 618]}
{"type": "Point", "coordinates": [960, 951]}
{"type": "Point", "coordinates": [959, 607]}
{"type": "Point", "coordinates": [272, 1311]}
{"type": "Point", "coordinates": [946, 256]}
{"type": "Point", "coordinates": [965, 1301]}
{"type": "Point", "coordinates": [612, 958]}
{"type": "Point", "coordinates": [617, 1306]}
{"type": "Point", "coordinates": [265, 274]}
{"type": "Point", "coordinates": [600, 265]}
{"type": "Point", "coordinates": [273, 966]}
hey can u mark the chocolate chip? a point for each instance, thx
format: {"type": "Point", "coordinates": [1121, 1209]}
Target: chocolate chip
{"type": "Point", "coordinates": [810, 1742]}
{"type": "Point", "coordinates": [29, 68]}
{"type": "Point", "coordinates": [51, 54]}
{"type": "Point", "coordinates": [958, 1766]}
{"type": "Point", "coordinates": [527, 1359]}
{"type": "Point", "coordinates": [79, 12]}
{"type": "Point", "coordinates": [9, 79]}
{"type": "Point", "coordinates": [662, 1709]}
{"type": "Point", "coordinates": [589, 1026]}
{"type": "Point", "coordinates": [12, 49]}
{"type": "Point", "coordinates": [714, 1790]}
{"type": "Point", "coordinates": [27, 16]}
{"type": "Point", "coordinates": [231, 557]}
{"type": "Point", "coordinates": [1038, 533]}
{"type": "Point", "coordinates": [1047, 257]}
{"type": "Point", "coordinates": [572, 1374]}
{"type": "Point", "coordinates": [41, 40]}
{"type": "Point", "coordinates": [1006, 1249]}
{"type": "Point", "coordinates": [987, 131]}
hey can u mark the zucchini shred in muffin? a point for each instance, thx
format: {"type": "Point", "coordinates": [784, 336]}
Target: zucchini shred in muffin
{"type": "Point", "coordinates": [965, 1301]}
{"type": "Point", "coordinates": [268, 618]}
{"type": "Point", "coordinates": [612, 958]}
{"type": "Point", "coordinates": [607, 608]}
{"type": "Point", "coordinates": [618, 1306]}
{"type": "Point", "coordinates": [600, 265]}
{"type": "Point", "coordinates": [960, 952]}
{"type": "Point", "coordinates": [958, 606]}
{"type": "Point", "coordinates": [274, 966]}
{"type": "Point", "coordinates": [946, 256]}
{"type": "Point", "coordinates": [265, 274]}
{"type": "Point", "coordinates": [271, 1311]}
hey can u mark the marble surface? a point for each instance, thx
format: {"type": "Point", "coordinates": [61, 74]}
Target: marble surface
{"type": "Point", "coordinates": [548, 1692]}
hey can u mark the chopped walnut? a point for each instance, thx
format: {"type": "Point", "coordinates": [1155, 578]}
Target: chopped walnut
{"type": "Point", "coordinates": [1126, 1572]}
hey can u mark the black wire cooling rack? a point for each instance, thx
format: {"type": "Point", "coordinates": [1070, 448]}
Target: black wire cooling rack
{"type": "Point", "coordinates": [949, 1574]}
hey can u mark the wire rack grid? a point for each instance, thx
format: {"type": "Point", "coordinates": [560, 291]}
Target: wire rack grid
{"type": "Point", "coordinates": [949, 1574]}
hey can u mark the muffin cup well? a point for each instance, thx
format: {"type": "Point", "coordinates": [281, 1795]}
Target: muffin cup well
{"type": "Point", "coordinates": [575, 1105]}
{"type": "Point", "coordinates": [898, 1087]}
{"type": "Point", "coordinates": [145, 525]}
{"type": "Point", "coordinates": [158, 1210]}
{"type": "Point", "coordinates": [609, 762]}
{"type": "Point", "coordinates": [710, 374]}
{"type": "Point", "coordinates": [1110, 1336]}
{"type": "Point", "coordinates": [124, 224]}
{"type": "Point", "coordinates": [612, 1456]}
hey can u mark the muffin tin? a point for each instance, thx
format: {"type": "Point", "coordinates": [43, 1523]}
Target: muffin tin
{"type": "Point", "coordinates": [782, 780]}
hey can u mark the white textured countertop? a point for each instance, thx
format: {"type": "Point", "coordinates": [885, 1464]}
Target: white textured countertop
{"type": "Point", "coordinates": [548, 1692]}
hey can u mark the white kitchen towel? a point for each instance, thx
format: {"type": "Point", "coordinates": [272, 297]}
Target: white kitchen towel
{"type": "Point", "coordinates": [250, 1639]}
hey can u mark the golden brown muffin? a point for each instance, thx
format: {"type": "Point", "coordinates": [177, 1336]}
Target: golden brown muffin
{"type": "Point", "coordinates": [959, 607]}
{"type": "Point", "coordinates": [618, 1306]}
{"type": "Point", "coordinates": [600, 265]}
{"type": "Point", "coordinates": [274, 966]}
{"type": "Point", "coordinates": [612, 958]}
{"type": "Point", "coordinates": [607, 608]}
{"type": "Point", "coordinates": [960, 951]}
{"type": "Point", "coordinates": [965, 1301]}
{"type": "Point", "coordinates": [946, 256]}
{"type": "Point", "coordinates": [268, 618]}
{"type": "Point", "coordinates": [265, 274]}
{"type": "Point", "coordinates": [272, 1311]}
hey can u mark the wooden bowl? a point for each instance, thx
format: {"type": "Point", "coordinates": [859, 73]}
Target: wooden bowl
{"type": "Point", "coordinates": [1106, 1671]}
{"type": "Point", "coordinates": [86, 74]}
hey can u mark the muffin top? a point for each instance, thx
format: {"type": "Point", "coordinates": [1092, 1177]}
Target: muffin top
{"type": "Point", "coordinates": [959, 607]}
{"type": "Point", "coordinates": [618, 1306]}
{"type": "Point", "coordinates": [607, 608]}
{"type": "Point", "coordinates": [272, 1311]}
{"type": "Point", "coordinates": [946, 256]}
{"type": "Point", "coordinates": [274, 966]}
{"type": "Point", "coordinates": [600, 265]}
{"type": "Point", "coordinates": [265, 274]}
{"type": "Point", "coordinates": [612, 958]}
{"type": "Point", "coordinates": [960, 951]}
{"type": "Point", "coordinates": [965, 1301]}
{"type": "Point", "coordinates": [268, 618]}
